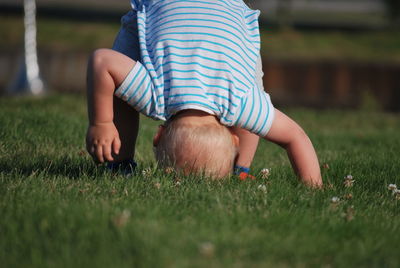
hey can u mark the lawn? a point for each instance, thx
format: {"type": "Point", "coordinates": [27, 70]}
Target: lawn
{"type": "Point", "coordinates": [59, 210]}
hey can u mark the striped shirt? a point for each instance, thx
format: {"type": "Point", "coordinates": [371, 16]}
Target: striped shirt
{"type": "Point", "coordinates": [199, 54]}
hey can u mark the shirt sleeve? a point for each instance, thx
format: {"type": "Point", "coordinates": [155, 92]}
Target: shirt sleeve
{"type": "Point", "coordinates": [137, 90]}
{"type": "Point", "coordinates": [257, 112]}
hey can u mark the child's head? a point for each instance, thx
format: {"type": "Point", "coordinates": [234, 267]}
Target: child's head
{"type": "Point", "coordinates": [195, 142]}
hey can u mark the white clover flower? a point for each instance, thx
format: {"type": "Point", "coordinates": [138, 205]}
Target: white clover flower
{"type": "Point", "coordinates": [348, 177]}
{"type": "Point", "coordinates": [335, 200]}
{"type": "Point", "coordinates": [392, 187]}
{"type": "Point", "coordinates": [396, 192]}
{"type": "Point", "coordinates": [265, 172]}
{"type": "Point", "coordinates": [262, 187]}
{"type": "Point", "coordinates": [169, 170]}
{"type": "Point", "coordinates": [146, 172]}
{"type": "Point", "coordinates": [348, 181]}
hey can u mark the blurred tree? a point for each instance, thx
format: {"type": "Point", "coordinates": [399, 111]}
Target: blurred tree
{"type": "Point", "coordinates": [393, 11]}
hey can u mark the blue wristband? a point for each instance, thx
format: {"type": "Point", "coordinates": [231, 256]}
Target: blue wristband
{"type": "Point", "coordinates": [239, 169]}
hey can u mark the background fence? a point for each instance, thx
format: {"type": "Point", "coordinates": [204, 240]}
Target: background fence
{"type": "Point", "coordinates": [307, 83]}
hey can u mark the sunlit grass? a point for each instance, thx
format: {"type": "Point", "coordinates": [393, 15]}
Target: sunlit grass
{"type": "Point", "coordinates": [59, 210]}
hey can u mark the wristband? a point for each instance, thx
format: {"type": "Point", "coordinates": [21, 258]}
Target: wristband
{"type": "Point", "coordinates": [243, 173]}
{"type": "Point", "coordinates": [239, 169]}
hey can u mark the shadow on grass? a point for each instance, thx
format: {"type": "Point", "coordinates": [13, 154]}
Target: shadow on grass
{"type": "Point", "coordinates": [62, 167]}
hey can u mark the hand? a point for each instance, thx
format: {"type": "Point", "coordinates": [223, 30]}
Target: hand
{"type": "Point", "coordinates": [102, 140]}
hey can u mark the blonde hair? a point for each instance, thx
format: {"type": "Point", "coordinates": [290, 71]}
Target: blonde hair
{"type": "Point", "coordinates": [206, 149]}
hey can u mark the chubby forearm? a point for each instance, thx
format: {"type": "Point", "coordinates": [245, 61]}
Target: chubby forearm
{"type": "Point", "coordinates": [248, 143]}
{"type": "Point", "coordinates": [100, 90]}
{"type": "Point", "coordinates": [289, 135]}
{"type": "Point", "coordinates": [100, 106]}
{"type": "Point", "coordinates": [304, 159]}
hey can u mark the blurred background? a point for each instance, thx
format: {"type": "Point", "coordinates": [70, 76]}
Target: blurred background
{"type": "Point", "coordinates": [316, 53]}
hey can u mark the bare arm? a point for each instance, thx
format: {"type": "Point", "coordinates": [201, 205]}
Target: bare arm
{"type": "Point", "coordinates": [248, 143]}
{"type": "Point", "coordinates": [289, 135]}
{"type": "Point", "coordinates": [100, 88]}
{"type": "Point", "coordinates": [106, 70]}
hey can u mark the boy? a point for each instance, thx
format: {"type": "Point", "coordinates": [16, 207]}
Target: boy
{"type": "Point", "coordinates": [199, 69]}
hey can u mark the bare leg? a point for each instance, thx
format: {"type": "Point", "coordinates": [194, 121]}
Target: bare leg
{"type": "Point", "coordinates": [248, 143]}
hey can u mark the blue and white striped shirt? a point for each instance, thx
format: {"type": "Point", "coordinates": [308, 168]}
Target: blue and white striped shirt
{"type": "Point", "coordinates": [199, 54]}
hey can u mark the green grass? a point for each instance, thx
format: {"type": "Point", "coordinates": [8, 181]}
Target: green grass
{"type": "Point", "coordinates": [59, 35]}
{"type": "Point", "coordinates": [59, 210]}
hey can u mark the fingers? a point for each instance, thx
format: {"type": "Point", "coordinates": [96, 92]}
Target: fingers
{"type": "Point", "coordinates": [103, 142]}
{"type": "Point", "coordinates": [116, 145]}
{"type": "Point", "coordinates": [101, 152]}
{"type": "Point", "coordinates": [91, 148]}
{"type": "Point", "coordinates": [107, 152]}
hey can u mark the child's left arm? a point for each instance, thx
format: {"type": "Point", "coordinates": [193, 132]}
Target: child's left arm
{"type": "Point", "coordinates": [289, 135]}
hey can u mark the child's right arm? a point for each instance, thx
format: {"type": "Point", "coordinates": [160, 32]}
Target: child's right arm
{"type": "Point", "coordinates": [106, 70]}
{"type": "Point", "coordinates": [289, 135]}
